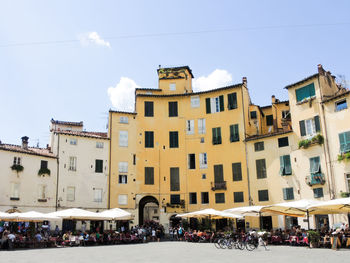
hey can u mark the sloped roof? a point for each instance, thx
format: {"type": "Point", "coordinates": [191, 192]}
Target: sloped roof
{"type": "Point", "coordinates": [30, 150]}
{"type": "Point", "coordinates": [97, 135]}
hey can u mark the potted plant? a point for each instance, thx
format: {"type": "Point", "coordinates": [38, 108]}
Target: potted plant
{"type": "Point", "coordinates": [314, 238]}
{"type": "Point", "coordinates": [17, 168]}
{"type": "Point", "coordinates": [44, 171]}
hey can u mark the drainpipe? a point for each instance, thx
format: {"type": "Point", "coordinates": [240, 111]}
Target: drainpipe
{"type": "Point", "coordinates": [109, 164]}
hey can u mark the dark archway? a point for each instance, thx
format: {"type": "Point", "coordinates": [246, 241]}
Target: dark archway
{"type": "Point", "coordinates": [145, 200]}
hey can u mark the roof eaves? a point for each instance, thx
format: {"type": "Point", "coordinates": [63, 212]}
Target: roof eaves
{"type": "Point", "coordinates": [302, 81]}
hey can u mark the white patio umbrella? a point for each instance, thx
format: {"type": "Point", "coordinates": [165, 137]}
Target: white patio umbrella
{"type": "Point", "coordinates": [335, 206]}
{"type": "Point", "coordinates": [6, 216]}
{"type": "Point", "coordinates": [78, 214]}
{"type": "Point", "coordinates": [33, 216]}
{"type": "Point", "coordinates": [116, 214]}
{"type": "Point", "coordinates": [209, 212]}
{"type": "Point", "coordinates": [298, 208]}
{"type": "Point", "coordinates": [245, 210]}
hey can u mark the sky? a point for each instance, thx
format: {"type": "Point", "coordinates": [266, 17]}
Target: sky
{"type": "Point", "coordinates": [76, 60]}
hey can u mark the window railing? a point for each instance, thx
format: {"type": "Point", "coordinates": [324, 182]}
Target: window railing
{"type": "Point", "coordinates": [315, 179]}
{"type": "Point", "coordinates": [218, 185]}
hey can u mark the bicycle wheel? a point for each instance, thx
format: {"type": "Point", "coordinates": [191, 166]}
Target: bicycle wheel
{"type": "Point", "coordinates": [223, 243]}
{"type": "Point", "coordinates": [217, 244]}
{"type": "Point", "coordinates": [250, 246]}
{"type": "Point", "coordinates": [229, 244]}
{"type": "Point", "coordinates": [240, 245]}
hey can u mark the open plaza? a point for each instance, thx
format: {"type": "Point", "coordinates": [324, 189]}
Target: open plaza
{"type": "Point", "coordinates": [174, 252]}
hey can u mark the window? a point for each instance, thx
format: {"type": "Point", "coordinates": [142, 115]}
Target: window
{"type": "Point", "coordinates": [173, 139]}
{"type": "Point", "coordinates": [285, 165]}
{"type": "Point", "coordinates": [348, 182]}
{"type": "Point", "coordinates": [219, 198]}
{"type": "Point", "coordinates": [305, 92]}
{"type": "Point", "coordinates": [123, 119]}
{"type": "Point", "coordinates": [149, 175]}
{"type": "Point", "coordinates": [149, 139]}
{"type": "Point", "coordinates": [286, 114]}
{"type": "Point", "coordinates": [42, 191]}
{"type": "Point", "coordinates": [218, 173]}
{"type": "Point", "coordinates": [341, 105]}
{"type": "Point", "coordinates": [72, 163]}
{"type": "Point", "coordinates": [315, 166]}
{"type": "Point", "coordinates": [174, 179]}
{"type": "Point", "coordinates": [99, 145]}
{"type": "Point", "coordinates": [14, 191]}
{"type": "Point", "coordinates": [204, 176]}
{"type": "Point", "coordinates": [237, 172]}
{"type": "Point", "coordinates": [134, 159]}
{"type": "Point", "coordinates": [172, 108]}
{"type": "Point", "coordinates": [98, 166]}
{"type": "Point", "coordinates": [195, 103]}
{"type": "Point", "coordinates": [261, 168]}
{"type": "Point", "coordinates": [122, 199]}
{"type": "Point", "coordinates": [70, 193]}
{"type": "Point", "coordinates": [318, 192]}
{"type": "Point", "coordinates": [43, 164]}
{"type": "Point", "coordinates": [193, 198]}
{"type": "Point", "coordinates": [204, 197]}
{"type": "Point", "coordinates": [73, 141]}
{"type": "Point", "coordinates": [259, 146]}
{"type": "Point", "coordinates": [216, 135]}
{"type": "Point", "coordinates": [98, 195]}
{"type": "Point", "coordinates": [214, 105]}
{"type": "Point", "coordinates": [234, 133]}
{"type": "Point", "coordinates": [232, 101]}
{"type": "Point", "coordinates": [123, 167]}
{"type": "Point", "coordinates": [123, 179]}
{"type": "Point", "coordinates": [309, 127]}
{"type": "Point", "coordinates": [17, 160]}
{"type": "Point", "coordinates": [123, 138]}
{"type": "Point", "coordinates": [191, 161]}
{"type": "Point", "coordinates": [149, 109]}
{"type": "Point", "coordinates": [263, 195]}
{"type": "Point", "coordinates": [172, 86]}
{"type": "Point", "coordinates": [203, 161]}
{"type": "Point", "coordinates": [201, 126]}
{"type": "Point", "coordinates": [288, 193]}
{"type": "Point", "coordinates": [238, 197]}
{"type": "Point", "coordinates": [269, 120]}
{"type": "Point", "coordinates": [174, 199]}
{"type": "Point", "coordinates": [344, 141]}
{"type": "Point", "coordinates": [253, 115]}
{"type": "Point", "coordinates": [283, 142]}
{"type": "Point", "coordinates": [190, 127]}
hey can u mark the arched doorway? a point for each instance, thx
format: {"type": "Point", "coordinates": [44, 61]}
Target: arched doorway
{"type": "Point", "coordinates": [144, 201]}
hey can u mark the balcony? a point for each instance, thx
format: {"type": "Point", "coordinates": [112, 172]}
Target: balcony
{"type": "Point", "coordinates": [315, 179]}
{"type": "Point", "coordinates": [218, 185]}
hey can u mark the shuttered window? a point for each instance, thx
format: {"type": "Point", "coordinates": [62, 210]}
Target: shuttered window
{"type": "Point", "coordinates": [263, 195]}
{"type": "Point", "coordinates": [204, 197]}
{"type": "Point", "coordinates": [149, 139]}
{"type": "Point", "coordinates": [216, 135]}
{"type": "Point", "coordinates": [190, 126]}
{"type": "Point", "coordinates": [285, 165]}
{"type": "Point", "coordinates": [149, 109]}
{"type": "Point", "coordinates": [215, 104]}
{"type": "Point", "coordinates": [344, 141]}
{"type": "Point", "coordinates": [201, 126]}
{"type": "Point", "coordinates": [173, 139]}
{"type": "Point", "coordinates": [123, 138]}
{"type": "Point", "coordinates": [218, 173]}
{"type": "Point", "coordinates": [259, 146]}
{"type": "Point", "coordinates": [234, 133]}
{"type": "Point", "coordinates": [305, 92]}
{"type": "Point", "coordinates": [98, 166]}
{"type": "Point", "coordinates": [149, 175]}
{"type": "Point", "coordinates": [288, 193]}
{"type": "Point", "coordinates": [318, 192]}
{"type": "Point", "coordinates": [315, 166]}
{"type": "Point", "coordinates": [260, 168]}
{"type": "Point", "coordinates": [283, 142]}
{"type": "Point", "coordinates": [219, 198]}
{"type": "Point", "coordinates": [174, 179]}
{"type": "Point", "coordinates": [193, 198]}
{"type": "Point", "coordinates": [174, 199]}
{"type": "Point", "coordinates": [237, 172]}
{"type": "Point", "coordinates": [253, 115]}
{"type": "Point", "coordinates": [310, 127]}
{"type": "Point", "coordinates": [203, 161]}
{"type": "Point", "coordinates": [269, 120]}
{"type": "Point", "coordinates": [173, 109]}
{"type": "Point", "coordinates": [238, 197]}
{"type": "Point", "coordinates": [191, 161]}
{"type": "Point", "coordinates": [232, 101]}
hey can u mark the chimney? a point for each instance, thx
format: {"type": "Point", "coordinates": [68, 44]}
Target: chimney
{"type": "Point", "coordinates": [320, 69]}
{"type": "Point", "coordinates": [25, 142]}
{"type": "Point", "coordinates": [244, 80]}
{"type": "Point", "coordinates": [273, 99]}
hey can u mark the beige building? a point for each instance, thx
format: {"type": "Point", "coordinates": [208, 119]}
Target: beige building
{"type": "Point", "coordinates": [28, 178]}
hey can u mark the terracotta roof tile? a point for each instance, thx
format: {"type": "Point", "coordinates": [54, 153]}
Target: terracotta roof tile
{"type": "Point", "coordinates": [97, 135]}
{"type": "Point", "coordinates": [30, 150]}
{"type": "Point", "coordinates": [71, 123]}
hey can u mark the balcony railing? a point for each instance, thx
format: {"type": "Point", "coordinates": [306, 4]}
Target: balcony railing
{"type": "Point", "coordinates": [218, 185]}
{"type": "Point", "coordinates": [315, 179]}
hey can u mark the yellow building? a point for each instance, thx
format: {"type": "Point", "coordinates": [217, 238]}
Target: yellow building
{"type": "Point", "coordinates": [183, 151]}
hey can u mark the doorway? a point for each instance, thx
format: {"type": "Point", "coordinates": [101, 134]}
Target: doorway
{"type": "Point", "coordinates": [143, 202]}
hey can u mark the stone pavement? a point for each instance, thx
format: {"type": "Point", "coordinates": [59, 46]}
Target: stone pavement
{"type": "Point", "coordinates": [179, 252]}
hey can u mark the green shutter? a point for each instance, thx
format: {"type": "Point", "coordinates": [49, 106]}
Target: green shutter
{"type": "Point", "coordinates": [219, 135]}
{"type": "Point", "coordinates": [285, 194]}
{"type": "Point", "coordinates": [236, 132]}
{"type": "Point", "coordinates": [287, 165]}
{"type": "Point", "coordinates": [207, 103]}
{"type": "Point", "coordinates": [237, 172]}
{"type": "Point", "coordinates": [230, 101]}
{"type": "Point", "coordinates": [302, 128]}
{"type": "Point", "coordinates": [281, 165]}
{"type": "Point", "coordinates": [218, 173]}
{"type": "Point", "coordinates": [221, 98]}
{"type": "Point", "coordinates": [317, 123]}
{"type": "Point", "coordinates": [311, 89]}
{"type": "Point", "coordinates": [234, 101]}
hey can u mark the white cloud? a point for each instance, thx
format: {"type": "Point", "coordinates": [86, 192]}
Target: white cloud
{"type": "Point", "coordinates": [218, 78]}
{"type": "Point", "coordinates": [93, 38]}
{"type": "Point", "coordinates": [122, 95]}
